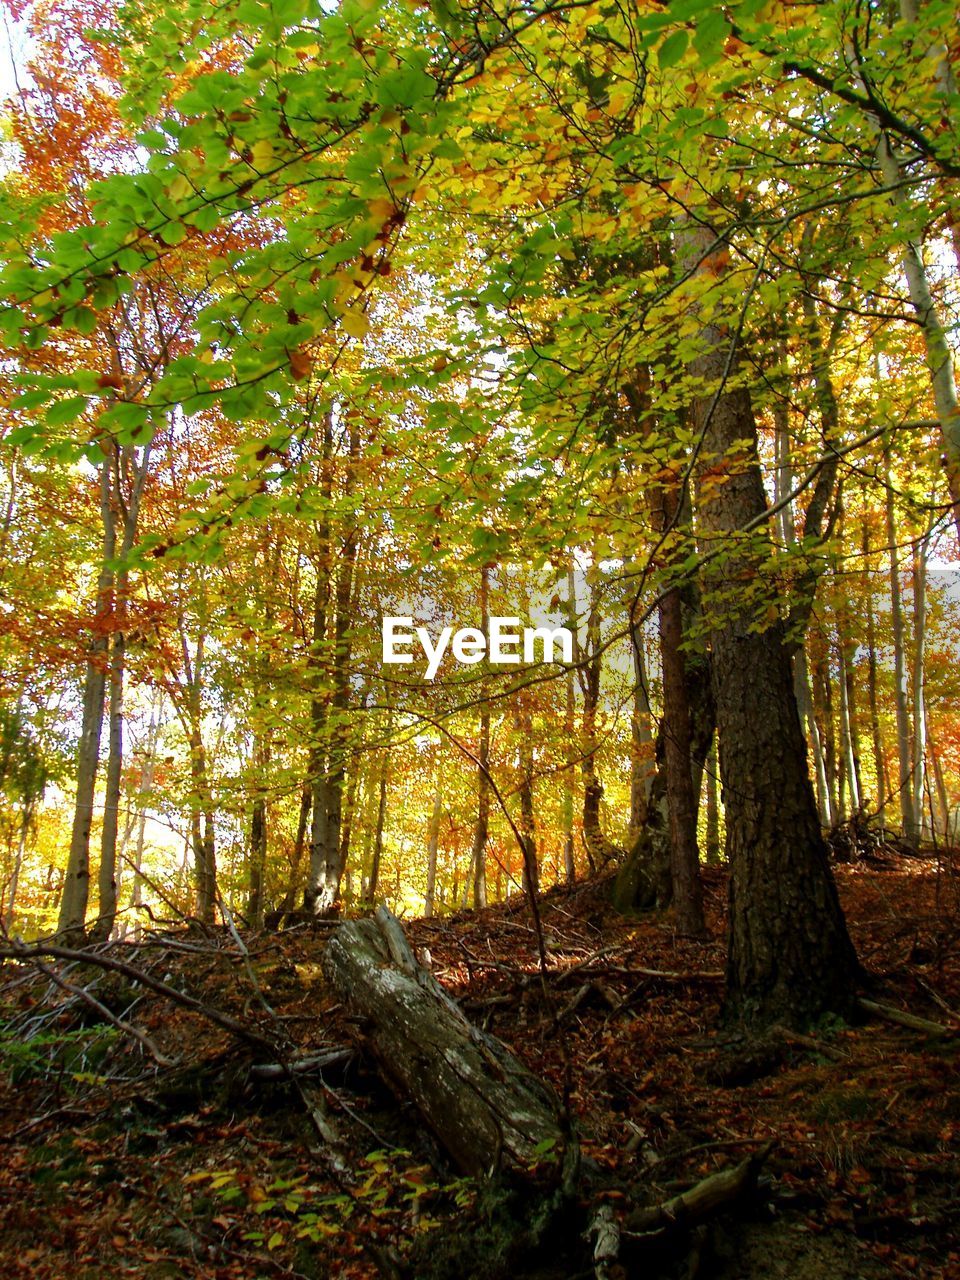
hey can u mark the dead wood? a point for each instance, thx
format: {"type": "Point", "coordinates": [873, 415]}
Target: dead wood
{"type": "Point", "coordinates": [489, 1112]}
{"type": "Point", "coordinates": [714, 1194]}
{"type": "Point", "coordinates": [903, 1019]}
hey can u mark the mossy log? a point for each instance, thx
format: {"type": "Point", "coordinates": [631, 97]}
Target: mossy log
{"type": "Point", "coordinates": [485, 1107]}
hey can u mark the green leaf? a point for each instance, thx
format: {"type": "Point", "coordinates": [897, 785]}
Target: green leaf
{"type": "Point", "coordinates": [64, 411]}
{"type": "Point", "coordinates": [672, 50]}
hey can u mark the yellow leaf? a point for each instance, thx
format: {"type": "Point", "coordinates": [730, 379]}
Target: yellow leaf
{"type": "Point", "coordinates": [382, 208]}
{"type": "Point", "coordinates": [261, 154]}
{"type": "Point", "coordinates": [179, 188]}
{"type": "Point", "coordinates": [355, 323]}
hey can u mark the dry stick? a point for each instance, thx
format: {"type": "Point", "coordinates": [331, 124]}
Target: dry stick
{"type": "Point", "coordinates": [911, 1020]}
{"type": "Point", "coordinates": [808, 1042]}
{"type": "Point", "coordinates": [24, 954]}
{"type": "Point", "coordinates": [127, 1027]}
{"type": "Point", "coordinates": [700, 1201]}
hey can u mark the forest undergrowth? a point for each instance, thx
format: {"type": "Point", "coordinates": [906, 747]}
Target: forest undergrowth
{"type": "Point", "coordinates": [249, 1136]}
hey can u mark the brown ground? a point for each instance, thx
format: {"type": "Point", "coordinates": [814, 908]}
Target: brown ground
{"type": "Point", "coordinates": [112, 1166]}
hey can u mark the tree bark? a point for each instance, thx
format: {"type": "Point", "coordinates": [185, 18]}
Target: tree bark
{"type": "Point", "coordinates": [488, 1111]}
{"type": "Point", "coordinates": [918, 752]}
{"type": "Point", "coordinates": [687, 891]}
{"type": "Point", "coordinates": [433, 845]}
{"type": "Point", "coordinates": [905, 790]}
{"type": "Point", "coordinates": [790, 958]}
{"type": "Point", "coordinates": [481, 829]}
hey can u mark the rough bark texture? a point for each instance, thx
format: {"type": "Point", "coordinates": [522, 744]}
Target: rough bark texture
{"type": "Point", "coordinates": [489, 1112]}
{"type": "Point", "coordinates": [678, 741]}
{"type": "Point", "coordinates": [790, 958]}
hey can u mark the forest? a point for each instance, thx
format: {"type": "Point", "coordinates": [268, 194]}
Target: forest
{"type": "Point", "coordinates": [479, 636]}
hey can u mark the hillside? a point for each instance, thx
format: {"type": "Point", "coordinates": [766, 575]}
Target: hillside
{"type": "Point", "coordinates": [205, 1167]}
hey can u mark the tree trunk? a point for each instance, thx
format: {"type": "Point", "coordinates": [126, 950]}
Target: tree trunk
{"type": "Point", "coordinates": [107, 876]}
{"type": "Point", "coordinates": [790, 958]}
{"type": "Point", "coordinates": [919, 743]}
{"type": "Point", "coordinates": [433, 844]}
{"type": "Point", "coordinates": [481, 830]}
{"type": "Point", "coordinates": [710, 780]}
{"type": "Point", "coordinates": [76, 884]}
{"type": "Point", "coordinates": [258, 835]}
{"type": "Point", "coordinates": [569, 862]}
{"type": "Point", "coordinates": [687, 891]}
{"type": "Point", "coordinates": [373, 885]}
{"type": "Point", "coordinates": [641, 733]}
{"type": "Point", "coordinates": [202, 830]}
{"type": "Point", "coordinates": [905, 790]}
{"type": "Point", "coordinates": [528, 824]}
{"type": "Point", "coordinates": [879, 757]}
{"type": "Point", "coordinates": [488, 1111]}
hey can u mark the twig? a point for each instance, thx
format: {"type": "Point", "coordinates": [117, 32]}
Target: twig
{"type": "Point", "coordinates": [127, 1028]}
{"type": "Point", "coordinates": [898, 1016]}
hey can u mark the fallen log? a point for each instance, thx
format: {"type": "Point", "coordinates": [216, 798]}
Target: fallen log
{"type": "Point", "coordinates": [714, 1194]}
{"type": "Point", "coordinates": [489, 1111]}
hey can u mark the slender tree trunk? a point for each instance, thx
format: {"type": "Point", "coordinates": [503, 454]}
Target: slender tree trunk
{"type": "Point", "coordinates": [433, 844]}
{"type": "Point", "coordinates": [76, 884]}
{"type": "Point", "coordinates": [919, 743]}
{"type": "Point", "coordinates": [713, 807]}
{"type": "Point", "coordinates": [107, 880]}
{"type": "Point", "coordinates": [346, 831]}
{"type": "Point", "coordinates": [905, 790]}
{"type": "Point", "coordinates": [790, 957]}
{"type": "Point", "coordinates": [879, 757]}
{"type": "Point", "coordinates": [202, 829]}
{"type": "Point", "coordinates": [258, 836]}
{"type": "Point", "coordinates": [528, 825]}
{"type": "Point", "coordinates": [848, 722]}
{"type": "Point", "coordinates": [481, 830]}
{"type": "Point", "coordinates": [374, 883]}
{"type": "Point", "coordinates": [326, 868]}
{"type": "Point", "coordinates": [146, 787]}
{"type": "Point", "coordinates": [299, 845]}
{"type": "Point", "coordinates": [641, 756]}
{"type": "Point", "coordinates": [569, 862]}
{"type": "Point", "coordinates": [805, 705]}
{"type": "Point", "coordinates": [127, 473]}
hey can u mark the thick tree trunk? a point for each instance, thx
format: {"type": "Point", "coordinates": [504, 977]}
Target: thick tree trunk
{"type": "Point", "coordinates": [488, 1111]}
{"type": "Point", "coordinates": [686, 890]}
{"type": "Point", "coordinates": [790, 958]}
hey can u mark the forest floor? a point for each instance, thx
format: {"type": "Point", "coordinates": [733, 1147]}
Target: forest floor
{"type": "Point", "coordinates": [112, 1165]}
